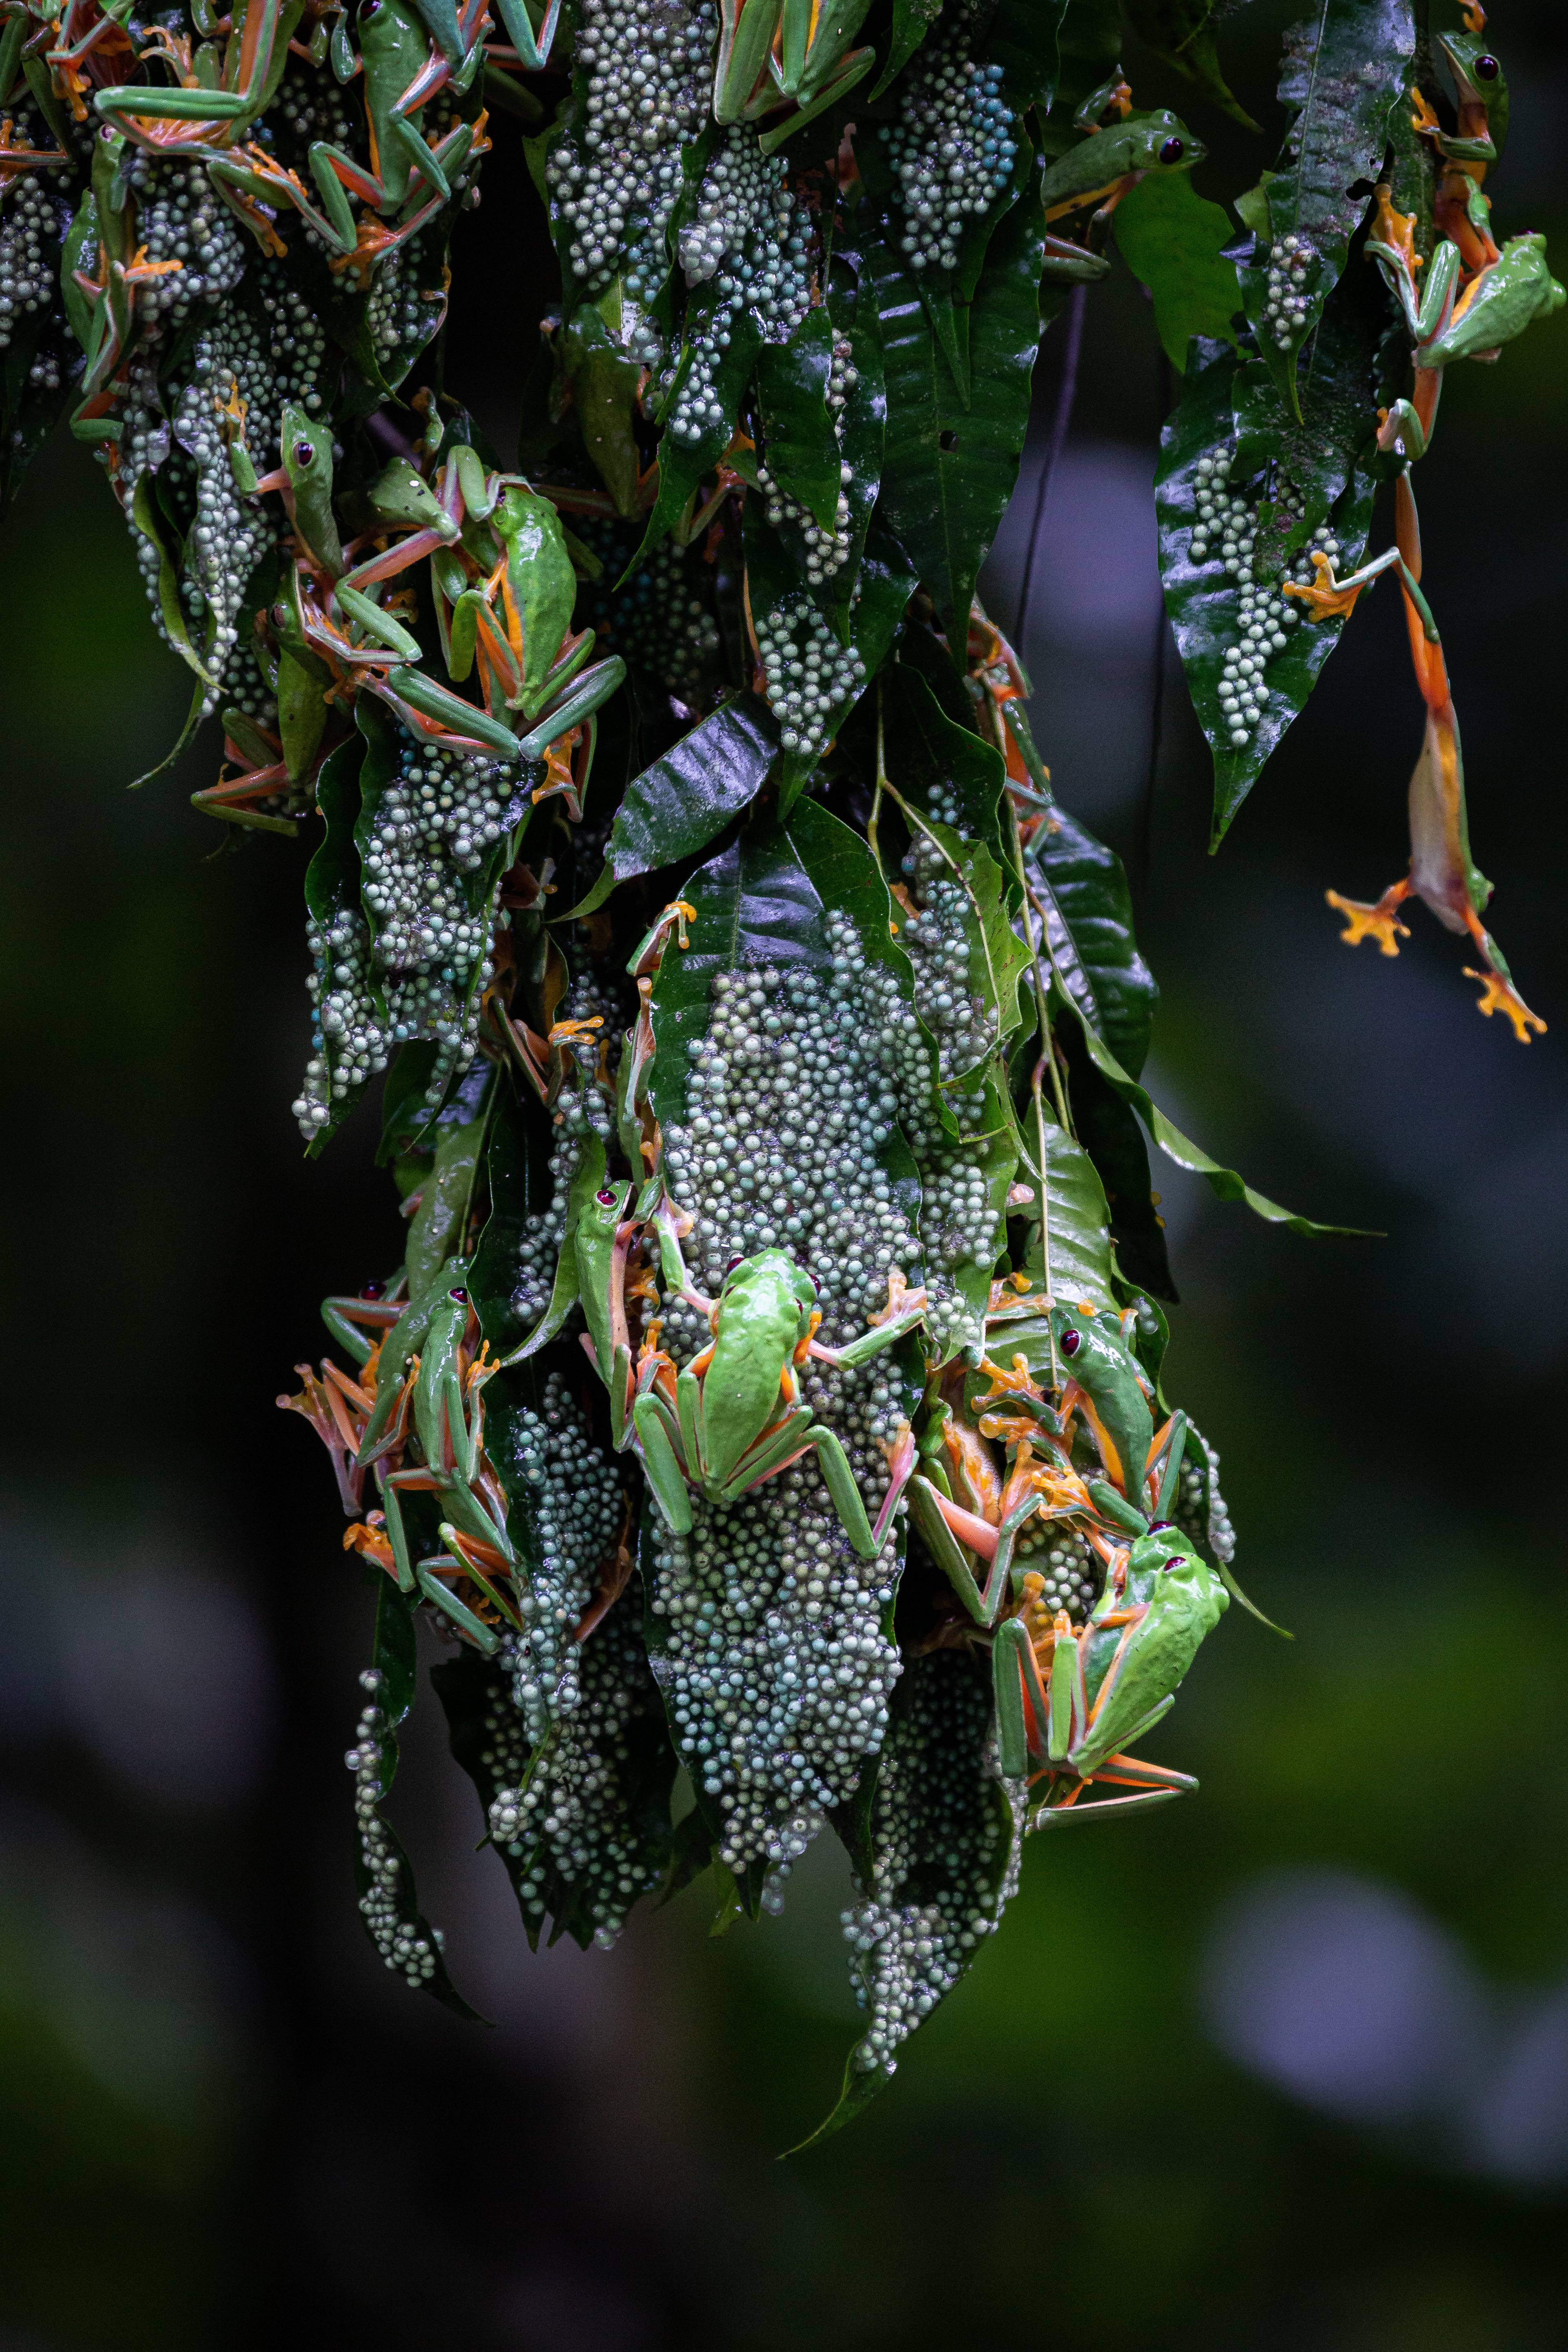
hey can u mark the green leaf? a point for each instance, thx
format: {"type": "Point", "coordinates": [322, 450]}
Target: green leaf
{"type": "Point", "coordinates": [1087, 909]}
{"type": "Point", "coordinates": [1172, 237]}
{"type": "Point", "coordinates": [926, 747]}
{"type": "Point", "coordinates": [912, 20]}
{"type": "Point", "coordinates": [604, 396]}
{"type": "Point", "coordinates": [611, 1761]}
{"type": "Point", "coordinates": [394, 1661]}
{"type": "Point", "coordinates": [862, 420]}
{"type": "Point", "coordinates": [678, 806]}
{"type": "Point", "coordinates": [682, 464]}
{"type": "Point", "coordinates": [1233, 428]}
{"type": "Point", "coordinates": [1088, 50]}
{"type": "Point", "coordinates": [1343, 69]}
{"type": "Point", "coordinates": [1022, 38]}
{"type": "Point", "coordinates": [949, 471]}
{"type": "Point", "coordinates": [436, 1228]}
{"type": "Point", "coordinates": [943, 1840]}
{"type": "Point", "coordinates": [519, 1183]}
{"type": "Point", "coordinates": [1222, 1182]}
{"type": "Point", "coordinates": [800, 450]}
{"type": "Point", "coordinates": [1079, 1226]}
{"type": "Point", "coordinates": [332, 899]}
{"type": "Point", "coordinates": [1182, 32]}
{"type": "Point", "coordinates": [1111, 1134]}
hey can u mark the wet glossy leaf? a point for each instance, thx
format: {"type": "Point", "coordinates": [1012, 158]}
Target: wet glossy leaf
{"type": "Point", "coordinates": [678, 806]}
{"type": "Point", "coordinates": [928, 749]}
{"type": "Point", "coordinates": [949, 469]}
{"type": "Point", "coordinates": [1231, 427]}
{"type": "Point", "coordinates": [1344, 67]}
{"type": "Point", "coordinates": [517, 1181]}
{"type": "Point", "coordinates": [396, 1662]}
{"type": "Point", "coordinates": [799, 448]}
{"type": "Point", "coordinates": [862, 421]}
{"type": "Point", "coordinates": [1171, 238]}
{"type": "Point", "coordinates": [912, 20]}
{"type": "Point", "coordinates": [1082, 892]}
{"type": "Point", "coordinates": [611, 1761]}
{"type": "Point", "coordinates": [1224, 1182]}
{"type": "Point", "coordinates": [332, 893]}
{"type": "Point", "coordinates": [1021, 37]}
{"type": "Point", "coordinates": [943, 1842]}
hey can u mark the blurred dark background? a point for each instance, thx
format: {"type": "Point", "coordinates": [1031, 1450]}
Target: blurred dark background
{"type": "Point", "coordinates": [1289, 2067]}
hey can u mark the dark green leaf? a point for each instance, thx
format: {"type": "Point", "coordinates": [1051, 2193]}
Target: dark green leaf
{"type": "Point", "coordinates": [1343, 69]}
{"type": "Point", "coordinates": [1022, 40]}
{"type": "Point", "coordinates": [926, 747]}
{"type": "Point", "coordinates": [1182, 32]}
{"type": "Point", "coordinates": [943, 1840]}
{"type": "Point", "coordinates": [1087, 909]}
{"type": "Point", "coordinates": [912, 20]}
{"type": "Point", "coordinates": [395, 1663]}
{"type": "Point", "coordinates": [949, 471]}
{"type": "Point", "coordinates": [799, 448]}
{"type": "Point", "coordinates": [1114, 1141]}
{"type": "Point", "coordinates": [518, 1179]}
{"type": "Point", "coordinates": [1224, 1182]}
{"type": "Point", "coordinates": [678, 806]}
{"type": "Point", "coordinates": [1172, 237]}
{"type": "Point", "coordinates": [1294, 477]}
{"type": "Point", "coordinates": [682, 464]}
{"type": "Point", "coordinates": [333, 898]}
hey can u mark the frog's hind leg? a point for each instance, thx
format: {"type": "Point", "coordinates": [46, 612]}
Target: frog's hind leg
{"type": "Point", "coordinates": [1498, 993]}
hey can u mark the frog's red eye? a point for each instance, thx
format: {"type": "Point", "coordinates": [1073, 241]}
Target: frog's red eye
{"type": "Point", "coordinates": [1072, 1342]}
{"type": "Point", "coordinates": [734, 1262]}
{"type": "Point", "coordinates": [605, 1198]}
{"type": "Point", "coordinates": [373, 1290]}
{"type": "Point", "coordinates": [1175, 1561]}
{"type": "Point", "coordinates": [304, 453]}
{"type": "Point", "coordinates": [1172, 150]}
{"type": "Point", "coordinates": [461, 1296]}
{"type": "Point", "coordinates": [1486, 69]}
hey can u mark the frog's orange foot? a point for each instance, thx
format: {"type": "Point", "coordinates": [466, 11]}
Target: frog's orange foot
{"type": "Point", "coordinates": [1394, 228]}
{"type": "Point", "coordinates": [1499, 995]}
{"type": "Point", "coordinates": [1325, 600]}
{"type": "Point", "coordinates": [1362, 922]}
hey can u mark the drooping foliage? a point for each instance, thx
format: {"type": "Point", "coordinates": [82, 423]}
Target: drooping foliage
{"type": "Point", "coordinates": [769, 1415]}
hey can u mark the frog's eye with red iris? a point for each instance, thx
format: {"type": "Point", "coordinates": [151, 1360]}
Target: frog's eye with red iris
{"type": "Point", "coordinates": [373, 1290]}
{"type": "Point", "coordinates": [1486, 69]}
{"type": "Point", "coordinates": [1172, 150]}
{"type": "Point", "coordinates": [1177, 1561]}
{"type": "Point", "coordinates": [461, 1296]}
{"type": "Point", "coordinates": [607, 1198]}
{"type": "Point", "coordinates": [1072, 1342]}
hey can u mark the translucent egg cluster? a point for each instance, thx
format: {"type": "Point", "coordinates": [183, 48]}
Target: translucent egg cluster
{"type": "Point", "coordinates": [575, 1511]}
{"type": "Point", "coordinates": [809, 674]}
{"type": "Point", "coordinates": [28, 239]}
{"type": "Point", "coordinates": [954, 143]}
{"type": "Point", "coordinates": [1201, 1511]}
{"type": "Point", "coordinates": [751, 237]}
{"type": "Point", "coordinates": [776, 1663]}
{"type": "Point", "coordinates": [1287, 303]}
{"type": "Point", "coordinates": [182, 218]}
{"type": "Point", "coordinates": [405, 1944]}
{"type": "Point", "coordinates": [1227, 527]}
{"type": "Point", "coordinates": [568, 1813]}
{"type": "Point", "coordinates": [417, 970]}
{"type": "Point", "coordinates": [945, 1859]}
{"type": "Point", "coordinates": [615, 177]}
{"type": "Point", "coordinates": [662, 620]}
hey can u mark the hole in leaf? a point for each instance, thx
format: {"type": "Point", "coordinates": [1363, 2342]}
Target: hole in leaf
{"type": "Point", "coordinates": [947, 443]}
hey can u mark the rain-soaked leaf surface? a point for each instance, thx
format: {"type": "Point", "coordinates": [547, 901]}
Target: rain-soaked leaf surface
{"type": "Point", "coordinates": [383, 1878]}
{"type": "Point", "coordinates": [1081, 890]}
{"type": "Point", "coordinates": [942, 1839]}
{"type": "Point", "coordinates": [950, 469]}
{"type": "Point", "coordinates": [1235, 464]}
{"type": "Point", "coordinates": [1344, 69]}
{"type": "Point", "coordinates": [680, 804]}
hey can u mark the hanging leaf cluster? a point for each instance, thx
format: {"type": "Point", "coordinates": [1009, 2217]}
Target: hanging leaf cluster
{"type": "Point", "coordinates": [768, 1417]}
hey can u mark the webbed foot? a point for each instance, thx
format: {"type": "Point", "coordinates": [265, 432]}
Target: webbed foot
{"type": "Point", "coordinates": [1499, 995]}
{"type": "Point", "coordinates": [1380, 922]}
